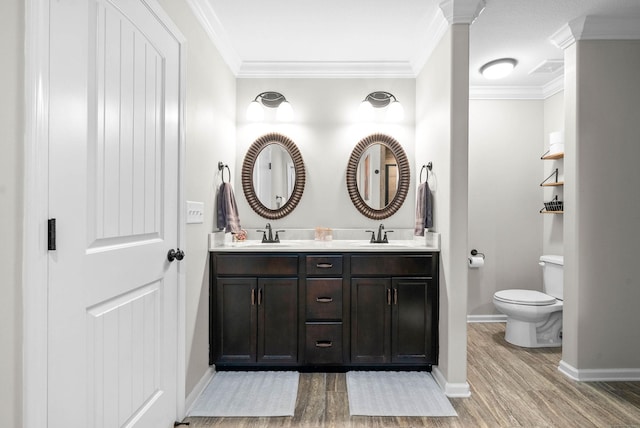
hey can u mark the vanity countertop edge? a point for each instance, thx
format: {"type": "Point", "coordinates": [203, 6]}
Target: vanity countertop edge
{"type": "Point", "coordinates": [305, 246]}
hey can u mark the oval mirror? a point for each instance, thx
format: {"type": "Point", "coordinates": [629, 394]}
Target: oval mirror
{"type": "Point", "coordinates": [273, 176]}
{"type": "Point", "coordinates": [378, 176]}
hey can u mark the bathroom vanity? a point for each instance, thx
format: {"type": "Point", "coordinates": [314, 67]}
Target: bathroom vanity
{"type": "Point", "coordinates": [323, 305]}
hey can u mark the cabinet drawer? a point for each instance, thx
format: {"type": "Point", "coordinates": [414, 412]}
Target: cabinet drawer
{"type": "Point", "coordinates": [324, 343]}
{"type": "Point", "coordinates": [324, 299]}
{"type": "Point", "coordinates": [394, 265]}
{"type": "Point", "coordinates": [254, 265]}
{"type": "Point", "coordinates": [324, 265]}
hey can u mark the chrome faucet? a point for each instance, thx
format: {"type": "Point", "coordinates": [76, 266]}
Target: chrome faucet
{"type": "Point", "coordinates": [269, 239]}
{"type": "Point", "coordinates": [380, 239]}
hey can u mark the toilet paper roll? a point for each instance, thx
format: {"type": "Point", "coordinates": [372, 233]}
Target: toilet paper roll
{"type": "Point", "coordinates": [556, 137]}
{"type": "Point", "coordinates": [476, 262]}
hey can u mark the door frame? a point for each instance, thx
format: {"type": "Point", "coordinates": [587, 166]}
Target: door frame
{"type": "Point", "coordinates": [36, 208]}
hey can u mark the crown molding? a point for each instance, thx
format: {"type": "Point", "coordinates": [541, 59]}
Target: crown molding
{"type": "Point", "coordinates": [437, 27]}
{"type": "Point", "coordinates": [325, 69]}
{"type": "Point", "coordinates": [505, 93]}
{"type": "Point", "coordinates": [213, 27]}
{"type": "Point", "coordinates": [517, 92]}
{"type": "Point", "coordinates": [563, 38]}
{"type": "Point", "coordinates": [553, 87]}
{"type": "Point", "coordinates": [461, 11]}
{"type": "Point", "coordinates": [596, 28]}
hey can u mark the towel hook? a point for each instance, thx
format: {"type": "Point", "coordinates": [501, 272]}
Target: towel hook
{"type": "Point", "coordinates": [428, 167]}
{"type": "Point", "coordinates": [221, 167]}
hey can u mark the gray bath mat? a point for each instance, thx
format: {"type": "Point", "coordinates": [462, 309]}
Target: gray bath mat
{"type": "Point", "coordinates": [248, 394]}
{"type": "Point", "coordinates": [396, 394]}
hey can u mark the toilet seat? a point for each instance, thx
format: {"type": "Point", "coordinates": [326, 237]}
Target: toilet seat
{"type": "Point", "coordinates": [524, 297]}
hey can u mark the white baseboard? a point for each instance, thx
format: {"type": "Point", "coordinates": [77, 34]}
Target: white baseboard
{"type": "Point", "coordinates": [599, 375]}
{"type": "Point", "coordinates": [200, 386]}
{"type": "Point", "coordinates": [453, 390]}
{"type": "Point", "coordinates": [487, 318]}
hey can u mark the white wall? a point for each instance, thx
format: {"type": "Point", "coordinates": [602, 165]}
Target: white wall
{"type": "Point", "coordinates": [210, 133]}
{"type": "Point", "coordinates": [602, 207]}
{"type": "Point", "coordinates": [11, 197]}
{"type": "Point", "coordinates": [325, 130]}
{"type": "Point", "coordinates": [553, 230]}
{"type": "Point", "coordinates": [505, 144]}
{"type": "Point", "coordinates": [442, 114]}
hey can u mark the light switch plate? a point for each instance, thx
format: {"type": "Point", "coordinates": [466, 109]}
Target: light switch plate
{"type": "Point", "coordinates": [195, 212]}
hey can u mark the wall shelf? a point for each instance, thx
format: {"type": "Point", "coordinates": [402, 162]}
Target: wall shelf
{"type": "Point", "coordinates": [552, 156]}
{"type": "Point", "coordinates": [547, 183]}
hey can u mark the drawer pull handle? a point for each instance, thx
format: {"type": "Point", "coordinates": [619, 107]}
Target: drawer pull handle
{"type": "Point", "coordinates": [324, 344]}
{"type": "Point", "coordinates": [324, 265]}
{"type": "Point", "coordinates": [324, 299]}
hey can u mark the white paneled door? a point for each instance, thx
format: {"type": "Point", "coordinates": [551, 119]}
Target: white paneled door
{"type": "Point", "coordinates": [114, 119]}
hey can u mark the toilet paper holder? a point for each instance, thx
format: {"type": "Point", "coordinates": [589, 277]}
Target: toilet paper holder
{"type": "Point", "coordinates": [475, 252]}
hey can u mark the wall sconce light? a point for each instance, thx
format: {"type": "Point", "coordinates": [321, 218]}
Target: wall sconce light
{"type": "Point", "coordinates": [499, 68]}
{"type": "Point", "coordinates": [270, 99]}
{"type": "Point", "coordinates": [381, 99]}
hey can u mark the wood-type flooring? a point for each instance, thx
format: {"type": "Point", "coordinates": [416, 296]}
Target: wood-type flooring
{"type": "Point", "coordinates": [510, 387]}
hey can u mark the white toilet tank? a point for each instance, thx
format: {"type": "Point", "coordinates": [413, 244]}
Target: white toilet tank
{"type": "Point", "coordinates": [552, 275]}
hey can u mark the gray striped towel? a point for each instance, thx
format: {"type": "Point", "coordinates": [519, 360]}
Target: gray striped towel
{"type": "Point", "coordinates": [227, 211]}
{"type": "Point", "coordinates": [424, 215]}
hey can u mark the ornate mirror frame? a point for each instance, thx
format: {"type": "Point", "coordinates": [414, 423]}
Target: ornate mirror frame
{"type": "Point", "coordinates": [247, 175]}
{"type": "Point", "coordinates": [404, 176]}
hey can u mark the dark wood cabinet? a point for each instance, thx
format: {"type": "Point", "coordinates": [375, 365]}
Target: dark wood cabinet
{"type": "Point", "coordinates": [236, 321]}
{"type": "Point", "coordinates": [392, 321]}
{"type": "Point", "coordinates": [324, 311]}
{"type": "Point", "coordinates": [277, 303]}
{"type": "Point", "coordinates": [394, 304]}
{"type": "Point", "coordinates": [370, 320]}
{"type": "Point", "coordinates": [256, 317]}
{"type": "Point", "coordinates": [325, 307]}
{"type": "Point", "coordinates": [413, 338]}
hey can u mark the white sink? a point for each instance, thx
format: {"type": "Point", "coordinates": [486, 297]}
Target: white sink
{"type": "Point", "coordinates": [379, 245]}
{"type": "Point", "coordinates": [265, 245]}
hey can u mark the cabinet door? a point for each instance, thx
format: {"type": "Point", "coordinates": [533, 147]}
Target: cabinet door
{"type": "Point", "coordinates": [277, 320]}
{"type": "Point", "coordinates": [412, 321]}
{"type": "Point", "coordinates": [370, 317]}
{"type": "Point", "coordinates": [237, 321]}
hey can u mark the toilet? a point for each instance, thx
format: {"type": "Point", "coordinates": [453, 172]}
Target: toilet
{"type": "Point", "coordinates": [534, 319]}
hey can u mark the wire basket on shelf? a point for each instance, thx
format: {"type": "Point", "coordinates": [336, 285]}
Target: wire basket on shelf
{"type": "Point", "coordinates": [553, 205]}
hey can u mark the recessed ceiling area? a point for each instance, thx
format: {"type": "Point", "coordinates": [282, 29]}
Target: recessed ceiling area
{"type": "Point", "coordinates": [379, 38]}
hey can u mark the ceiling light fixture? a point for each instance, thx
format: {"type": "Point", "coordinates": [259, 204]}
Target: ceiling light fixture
{"type": "Point", "coordinates": [499, 68]}
{"type": "Point", "coordinates": [381, 99]}
{"type": "Point", "coordinates": [270, 99]}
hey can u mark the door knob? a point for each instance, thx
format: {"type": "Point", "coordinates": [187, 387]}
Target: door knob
{"type": "Point", "coordinates": [176, 254]}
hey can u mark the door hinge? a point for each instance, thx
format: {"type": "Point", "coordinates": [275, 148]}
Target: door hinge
{"type": "Point", "coordinates": [51, 234]}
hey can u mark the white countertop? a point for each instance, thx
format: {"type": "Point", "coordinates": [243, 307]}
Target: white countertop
{"type": "Point", "coordinates": [307, 245]}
